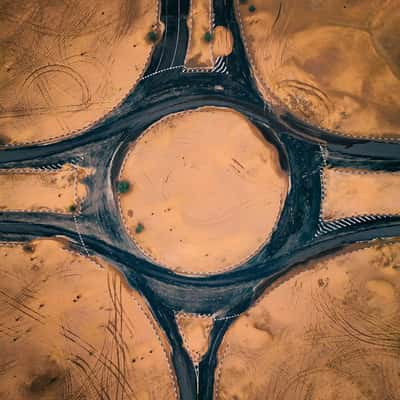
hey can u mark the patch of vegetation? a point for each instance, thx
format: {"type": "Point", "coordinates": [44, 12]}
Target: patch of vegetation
{"type": "Point", "coordinates": [152, 36]}
{"type": "Point", "coordinates": [243, 1]}
{"type": "Point", "coordinates": [4, 139]}
{"type": "Point", "coordinates": [28, 248]}
{"type": "Point", "coordinates": [208, 37]}
{"type": "Point", "coordinates": [139, 228]}
{"type": "Point", "coordinates": [72, 208]}
{"type": "Point", "coordinates": [252, 8]}
{"type": "Point", "coordinates": [123, 186]}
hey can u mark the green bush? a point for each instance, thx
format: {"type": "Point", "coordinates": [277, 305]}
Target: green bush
{"type": "Point", "coordinates": [28, 248]}
{"type": "Point", "coordinates": [72, 208]}
{"type": "Point", "coordinates": [152, 36]}
{"type": "Point", "coordinates": [139, 228]}
{"type": "Point", "coordinates": [208, 36]}
{"type": "Point", "coordinates": [123, 186]}
{"type": "Point", "coordinates": [243, 1]}
{"type": "Point", "coordinates": [252, 8]}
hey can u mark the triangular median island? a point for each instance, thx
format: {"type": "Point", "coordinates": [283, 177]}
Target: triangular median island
{"type": "Point", "coordinates": [195, 332]}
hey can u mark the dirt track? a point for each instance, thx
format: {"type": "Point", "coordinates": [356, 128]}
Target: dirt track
{"type": "Point", "coordinates": [328, 330]}
{"type": "Point", "coordinates": [64, 65]}
{"type": "Point", "coordinates": [334, 63]}
{"type": "Point", "coordinates": [70, 325]}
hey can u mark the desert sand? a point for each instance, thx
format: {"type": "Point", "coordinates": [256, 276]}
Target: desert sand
{"type": "Point", "coordinates": [199, 53]}
{"type": "Point", "coordinates": [222, 42]}
{"type": "Point", "coordinates": [64, 65]}
{"type": "Point", "coordinates": [333, 63]}
{"type": "Point", "coordinates": [71, 328]}
{"type": "Point", "coordinates": [210, 194]}
{"type": "Point", "coordinates": [195, 332]}
{"type": "Point", "coordinates": [27, 189]}
{"type": "Point", "coordinates": [328, 331]}
{"type": "Point", "coordinates": [350, 192]}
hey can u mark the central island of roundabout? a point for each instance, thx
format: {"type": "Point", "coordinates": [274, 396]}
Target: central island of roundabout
{"type": "Point", "coordinates": [206, 190]}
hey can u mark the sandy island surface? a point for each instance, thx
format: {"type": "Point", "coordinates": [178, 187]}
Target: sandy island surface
{"type": "Point", "coordinates": [71, 328]}
{"type": "Point", "coordinates": [334, 63]}
{"type": "Point", "coordinates": [202, 50]}
{"type": "Point", "coordinates": [350, 192]}
{"type": "Point", "coordinates": [199, 53]}
{"type": "Point", "coordinates": [222, 42]}
{"type": "Point", "coordinates": [64, 65]}
{"type": "Point", "coordinates": [208, 197]}
{"type": "Point", "coordinates": [327, 331]}
{"type": "Point", "coordinates": [195, 332]}
{"type": "Point", "coordinates": [37, 190]}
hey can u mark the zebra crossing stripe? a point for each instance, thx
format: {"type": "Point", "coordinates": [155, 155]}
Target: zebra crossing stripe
{"type": "Point", "coordinates": [325, 227]}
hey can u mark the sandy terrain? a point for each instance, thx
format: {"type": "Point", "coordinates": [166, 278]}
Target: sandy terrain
{"type": "Point", "coordinates": [199, 53]}
{"type": "Point", "coordinates": [64, 65]}
{"type": "Point", "coordinates": [195, 331]}
{"type": "Point", "coordinates": [353, 192]}
{"type": "Point", "coordinates": [330, 332]}
{"type": "Point", "coordinates": [223, 41]}
{"type": "Point", "coordinates": [202, 210]}
{"type": "Point", "coordinates": [334, 63]}
{"type": "Point", "coordinates": [37, 190]}
{"type": "Point", "coordinates": [71, 328]}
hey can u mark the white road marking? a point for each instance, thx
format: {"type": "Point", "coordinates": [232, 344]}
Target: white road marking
{"type": "Point", "coordinates": [177, 36]}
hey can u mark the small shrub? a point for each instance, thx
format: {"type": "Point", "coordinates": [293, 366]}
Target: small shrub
{"type": "Point", "coordinates": [252, 8]}
{"type": "Point", "coordinates": [4, 139]}
{"type": "Point", "coordinates": [139, 228]}
{"type": "Point", "coordinates": [208, 37]}
{"type": "Point", "coordinates": [123, 186]}
{"type": "Point", "coordinates": [152, 36]}
{"type": "Point", "coordinates": [72, 208]}
{"type": "Point", "coordinates": [243, 1]}
{"type": "Point", "coordinates": [28, 248]}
